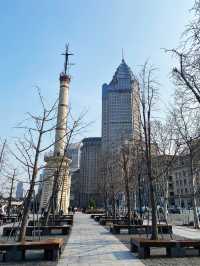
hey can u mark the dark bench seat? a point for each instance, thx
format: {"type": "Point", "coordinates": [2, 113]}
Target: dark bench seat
{"type": "Point", "coordinates": [104, 221]}
{"type": "Point", "coordinates": [52, 248]}
{"type": "Point", "coordinates": [68, 220]}
{"type": "Point", "coordinates": [93, 216]}
{"type": "Point", "coordinates": [136, 228]}
{"type": "Point", "coordinates": [97, 218]}
{"type": "Point", "coordinates": [174, 248]}
{"type": "Point", "coordinates": [60, 217]}
{"type": "Point", "coordinates": [44, 230]}
{"type": "Point", "coordinates": [51, 222]}
{"type": "Point", "coordinates": [11, 219]}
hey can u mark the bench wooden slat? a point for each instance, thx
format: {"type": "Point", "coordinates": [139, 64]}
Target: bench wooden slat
{"type": "Point", "coordinates": [174, 248]}
{"type": "Point", "coordinates": [52, 247]}
{"type": "Point", "coordinates": [133, 228]}
{"type": "Point", "coordinates": [44, 229]}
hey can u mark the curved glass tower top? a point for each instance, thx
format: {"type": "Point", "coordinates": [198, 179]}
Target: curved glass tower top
{"type": "Point", "coordinates": [122, 79]}
{"type": "Point", "coordinates": [123, 72]}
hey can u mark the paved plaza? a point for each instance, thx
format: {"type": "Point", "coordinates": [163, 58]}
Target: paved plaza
{"type": "Point", "coordinates": [186, 232]}
{"type": "Point", "coordinates": [91, 244]}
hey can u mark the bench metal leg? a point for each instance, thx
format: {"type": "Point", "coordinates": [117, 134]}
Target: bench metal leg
{"type": "Point", "coordinates": [55, 254]}
{"type": "Point", "coordinates": [60, 251]}
{"type": "Point", "coordinates": [134, 248]}
{"type": "Point", "coordinates": [199, 252]}
{"type": "Point", "coordinates": [178, 251]}
{"type": "Point", "coordinates": [47, 254]}
{"type": "Point", "coordinates": [65, 231]}
{"type": "Point", "coordinates": [144, 252]}
{"type": "Point", "coordinates": [23, 254]}
{"type": "Point", "coordinates": [3, 256]}
{"type": "Point", "coordinates": [116, 230]}
{"type": "Point", "coordinates": [133, 231]}
{"type": "Point", "coordinates": [168, 251]}
{"type": "Point", "coordinates": [52, 254]}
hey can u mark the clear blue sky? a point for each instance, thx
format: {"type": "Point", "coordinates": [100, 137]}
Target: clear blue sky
{"type": "Point", "coordinates": [34, 33]}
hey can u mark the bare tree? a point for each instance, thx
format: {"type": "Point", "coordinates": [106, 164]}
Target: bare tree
{"type": "Point", "coordinates": [187, 127]}
{"type": "Point", "coordinates": [30, 149]}
{"type": "Point", "coordinates": [103, 181]}
{"type": "Point", "coordinates": [148, 99]}
{"type": "Point", "coordinates": [11, 192]}
{"type": "Point", "coordinates": [167, 148]}
{"type": "Point", "coordinates": [2, 152]}
{"type": "Point", "coordinates": [111, 182]}
{"type": "Point", "coordinates": [126, 164]}
{"type": "Point", "coordinates": [59, 175]}
{"type": "Point", "coordinates": [187, 71]}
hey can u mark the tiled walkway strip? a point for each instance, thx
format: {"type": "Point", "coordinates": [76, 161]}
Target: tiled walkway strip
{"type": "Point", "coordinates": [91, 244]}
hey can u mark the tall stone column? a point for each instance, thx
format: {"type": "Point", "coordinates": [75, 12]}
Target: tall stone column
{"type": "Point", "coordinates": [58, 162]}
{"type": "Point", "coordinates": [62, 114]}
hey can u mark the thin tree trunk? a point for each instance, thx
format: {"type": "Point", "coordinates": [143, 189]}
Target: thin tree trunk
{"type": "Point", "coordinates": [113, 206]}
{"type": "Point", "coordinates": [166, 196]}
{"type": "Point", "coordinates": [2, 152]}
{"type": "Point", "coordinates": [51, 206]}
{"type": "Point", "coordinates": [105, 204]}
{"type": "Point", "coordinates": [147, 133]}
{"type": "Point", "coordinates": [139, 195]}
{"type": "Point", "coordinates": [128, 204]}
{"type": "Point", "coordinates": [22, 233]}
{"type": "Point", "coordinates": [194, 201]}
{"type": "Point", "coordinates": [154, 235]}
{"type": "Point", "coordinates": [11, 192]}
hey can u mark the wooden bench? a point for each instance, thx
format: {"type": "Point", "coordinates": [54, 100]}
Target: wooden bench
{"type": "Point", "coordinates": [93, 216]}
{"type": "Point", "coordinates": [98, 217]}
{"type": "Point", "coordinates": [52, 248]}
{"type": "Point", "coordinates": [174, 248]}
{"type": "Point", "coordinates": [136, 228]}
{"type": "Point", "coordinates": [60, 217]}
{"type": "Point", "coordinates": [51, 222]}
{"type": "Point", "coordinates": [142, 246]}
{"type": "Point", "coordinates": [104, 221]}
{"type": "Point", "coordinates": [61, 221]}
{"type": "Point", "coordinates": [10, 231]}
{"type": "Point", "coordinates": [11, 219]}
{"type": "Point", "coordinates": [44, 230]}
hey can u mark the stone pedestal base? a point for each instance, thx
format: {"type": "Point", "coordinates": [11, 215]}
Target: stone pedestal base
{"type": "Point", "coordinates": [53, 164]}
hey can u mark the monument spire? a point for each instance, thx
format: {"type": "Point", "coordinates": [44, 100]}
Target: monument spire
{"type": "Point", "coordinates": [66, 54]}
{"type": "Point", "coordinates": [59, 160]}
{"type": "Point", "coordinates": [122, 54]}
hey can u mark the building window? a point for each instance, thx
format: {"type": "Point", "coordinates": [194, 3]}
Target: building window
{"type": "Point", "coordinates": [170, 178]}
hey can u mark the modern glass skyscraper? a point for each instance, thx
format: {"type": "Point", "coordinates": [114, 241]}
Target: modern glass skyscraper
{"type": "Point", "coordinates": [120, 113]}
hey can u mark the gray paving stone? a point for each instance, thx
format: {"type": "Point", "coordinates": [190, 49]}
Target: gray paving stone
{"type": "Point", "coordinates": [91, 245]}
{"type": "Point", "coordinates": [186, 232]}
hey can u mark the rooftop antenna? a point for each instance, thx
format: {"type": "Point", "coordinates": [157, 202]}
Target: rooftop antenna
{"type": "Point", "coordinates": [122, 54]}
{"type": "Point", "coordinates": [66, 54]}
